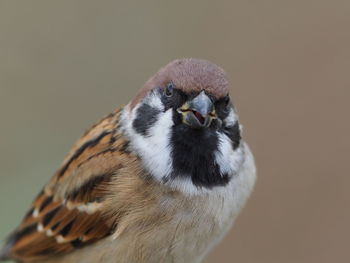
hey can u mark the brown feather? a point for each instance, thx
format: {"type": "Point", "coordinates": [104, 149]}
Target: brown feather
{"type": "Point", "coordinates": [68, 213]}
{"type": "Point", "coordinates": [102, 189]}
{"type": "Point", "coordinates": [188, 75]}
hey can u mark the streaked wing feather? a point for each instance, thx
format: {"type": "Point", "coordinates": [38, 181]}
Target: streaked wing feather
{"type": "Point", "coordinates": [67, 213]}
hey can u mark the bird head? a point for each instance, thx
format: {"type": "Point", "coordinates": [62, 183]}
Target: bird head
{"type": "Point", "coordinates": [184, 126]}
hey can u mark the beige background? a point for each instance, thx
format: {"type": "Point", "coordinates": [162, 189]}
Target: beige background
{"type": "Point", "coordinates": [64, 64]}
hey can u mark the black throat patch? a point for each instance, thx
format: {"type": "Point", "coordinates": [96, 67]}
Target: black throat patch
{"type": "Point", "coordinates": [146, 117]}
{"type": "Point", "coordinates": [193, 155]}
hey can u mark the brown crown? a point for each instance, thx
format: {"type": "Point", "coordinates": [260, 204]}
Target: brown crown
{"type": "Point", "coordinates": [188, 75]}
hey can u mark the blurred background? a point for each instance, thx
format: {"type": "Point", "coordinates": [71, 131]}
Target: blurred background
{"type": "Point", "coordinates": [65, 64]}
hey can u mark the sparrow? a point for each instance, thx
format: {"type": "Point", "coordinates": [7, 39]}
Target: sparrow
{"type": "Point", "coordinates": [161, 179]}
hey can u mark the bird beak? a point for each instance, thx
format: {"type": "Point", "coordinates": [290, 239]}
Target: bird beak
{"type": "Point", "coordinates": [199, 112]}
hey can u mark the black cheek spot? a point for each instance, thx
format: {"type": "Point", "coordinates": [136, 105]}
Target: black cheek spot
{"type": "Point", "coordinates": [146, 117]}
{"type": "Point", "coordinates": [234, 134]}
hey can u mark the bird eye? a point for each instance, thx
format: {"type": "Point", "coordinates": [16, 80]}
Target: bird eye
{"type": "Point", "coordinates": [169, 90]}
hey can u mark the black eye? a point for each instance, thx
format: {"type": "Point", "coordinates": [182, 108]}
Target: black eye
{"type": "Point", "coordinates": [169, 90]}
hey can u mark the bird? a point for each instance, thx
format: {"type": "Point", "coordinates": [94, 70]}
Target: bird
{"type": "Point", "coordinates": [161, 179]}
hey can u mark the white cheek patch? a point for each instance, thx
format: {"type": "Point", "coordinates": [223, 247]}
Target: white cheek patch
{"type": "Point", "coordinates": [154, 101]}
{"type": "Point", "coordinates": [154, 149]}
{"type": "Point", "coordinates": [229, 160]}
